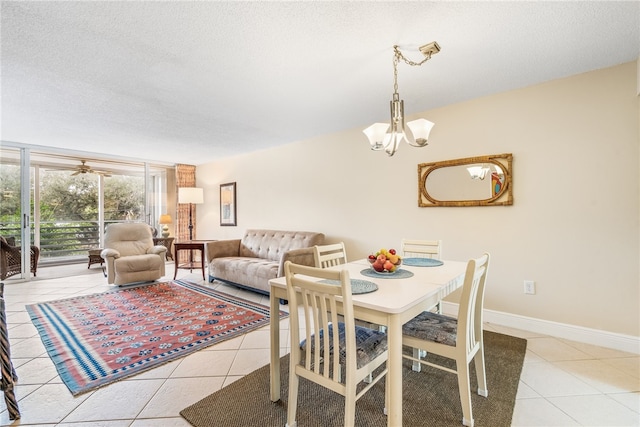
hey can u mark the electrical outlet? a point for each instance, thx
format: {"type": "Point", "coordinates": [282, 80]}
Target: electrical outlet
{"type": "Point", "coordinates": [529, 287]}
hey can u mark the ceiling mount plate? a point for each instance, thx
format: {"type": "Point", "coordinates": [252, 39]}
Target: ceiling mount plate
{"type": "Point", "coordinates": [430, 48]}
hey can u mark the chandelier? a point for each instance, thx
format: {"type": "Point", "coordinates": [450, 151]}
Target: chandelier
{"type": "Point", "coordinates": [387, 137]}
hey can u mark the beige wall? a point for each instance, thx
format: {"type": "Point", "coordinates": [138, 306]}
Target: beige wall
{"type": "Point", "coordinates": [573, 228]}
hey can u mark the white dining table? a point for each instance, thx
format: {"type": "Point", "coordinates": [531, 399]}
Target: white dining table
{"type": "Point", "coordinates": [395, 302]}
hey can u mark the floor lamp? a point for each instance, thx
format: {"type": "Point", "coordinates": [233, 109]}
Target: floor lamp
{"type": "Point", "coordinates": [190, 195]}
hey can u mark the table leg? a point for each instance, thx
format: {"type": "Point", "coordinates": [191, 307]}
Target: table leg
{"type": "Point", "coordinates": [274, 365]}
{"type": "Point", "coordinates": [202, 263]}
{"type": "Point", "coordinates": [394, 374]}
{"type": "Point", "coordinates": [175, 263]}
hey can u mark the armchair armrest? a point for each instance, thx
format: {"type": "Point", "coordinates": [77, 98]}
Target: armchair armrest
{"type": "Point", "coordinates": [223, 248]}
{"type": "Point", "coordinates": [302, 256]}
{"type": "Point", "coordinates": [110, 256]}
{"type": "Point", "coordinates": [35, 250]}
{"type": "Point", "coordinates": [158, 250]}
{"type": "Point", "coordinates": [110, 253]}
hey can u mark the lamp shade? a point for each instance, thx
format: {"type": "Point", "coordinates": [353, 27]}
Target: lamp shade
{"type": "Point", "coordinates": [165, 219]}
{"type": "Point", "coordinates": [420, 129]}
{"type": "Point", "coordinates": [376, 134]}
{"type": "Point", "coordinates": [190, 195]}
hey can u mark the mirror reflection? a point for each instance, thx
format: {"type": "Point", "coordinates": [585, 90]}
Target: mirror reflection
{"type": "Point", "coordinates": [472, 181]}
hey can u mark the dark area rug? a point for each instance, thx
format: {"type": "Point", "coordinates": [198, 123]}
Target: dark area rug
{"type": "Point", "coordinates": [430, 398]}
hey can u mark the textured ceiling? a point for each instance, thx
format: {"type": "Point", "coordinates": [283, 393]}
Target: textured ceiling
{"type": "Point", "coordinates": [192, 82]}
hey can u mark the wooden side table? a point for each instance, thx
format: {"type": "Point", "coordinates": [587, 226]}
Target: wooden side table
{"type": "Point", "coordinates": [94, 257]}
{"type": "Point", "coordinates": [166, 242]}
{"type": "Point", "coordinates": [190, 245]}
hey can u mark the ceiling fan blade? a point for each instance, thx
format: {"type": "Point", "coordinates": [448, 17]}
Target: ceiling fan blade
{"type": "Point", "coordinates": [75, 173]}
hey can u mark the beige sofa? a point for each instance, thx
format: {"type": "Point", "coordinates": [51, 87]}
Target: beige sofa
{"type": "Point", "coordinates": [259, 256]}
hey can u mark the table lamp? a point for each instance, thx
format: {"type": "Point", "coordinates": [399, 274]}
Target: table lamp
{"type": "Point", "coordinates": [191, 195]}
{"type": "Point", "coordinates": [164, 220]}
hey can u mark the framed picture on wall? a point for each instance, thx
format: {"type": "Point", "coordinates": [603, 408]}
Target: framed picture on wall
{"type": "Point", "coordinates": [228, 204]}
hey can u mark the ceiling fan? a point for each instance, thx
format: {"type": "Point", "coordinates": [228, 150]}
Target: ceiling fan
{"type": "Point", "coordinates": [84, 168]}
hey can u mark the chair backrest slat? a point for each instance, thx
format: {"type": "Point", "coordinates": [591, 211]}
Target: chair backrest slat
{"type": "Point", "coordinates": [330, 255]}
{"type": "Point", "coordinates": [412, 248]}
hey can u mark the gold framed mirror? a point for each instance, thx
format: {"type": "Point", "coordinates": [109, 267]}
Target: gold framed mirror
{"type": "Point", "coordinates": [472, 181]}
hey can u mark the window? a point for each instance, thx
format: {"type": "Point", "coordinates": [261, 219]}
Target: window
{"type": "Point", "coordinates": [73, 199]}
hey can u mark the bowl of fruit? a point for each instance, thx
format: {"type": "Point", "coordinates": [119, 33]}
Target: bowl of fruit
{"type": "Point", "coordinates": [385, 261]}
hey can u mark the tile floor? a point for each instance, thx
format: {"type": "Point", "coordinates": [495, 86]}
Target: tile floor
{"type": "Point", "coordinates": [563, 383]}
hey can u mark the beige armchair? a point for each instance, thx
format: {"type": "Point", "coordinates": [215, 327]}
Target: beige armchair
{"type": "Point", "coordinates": [130, 254]}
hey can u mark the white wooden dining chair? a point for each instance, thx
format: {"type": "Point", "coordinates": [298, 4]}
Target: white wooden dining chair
{"type": "Point", "coordinates": [412, 248]}
{"type": "Point", "coordinates": [335, 254]}
{"type": "Point", "coordinates": [338, 361]}
{"type": "Point", "coordinates": [329, 255]}
{"type": "Point", "coordinates": [458, 339]}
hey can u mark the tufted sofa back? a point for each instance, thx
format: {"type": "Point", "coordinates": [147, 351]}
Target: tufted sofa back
{"type": "Point", "coordinates": [270, 244]}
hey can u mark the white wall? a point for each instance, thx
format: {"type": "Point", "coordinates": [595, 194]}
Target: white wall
{"type": "Point", "coordinates": [573, 228]}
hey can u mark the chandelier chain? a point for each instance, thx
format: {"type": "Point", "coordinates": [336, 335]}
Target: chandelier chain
{"type": "Point", "coordinates": [396, 59]}
{"type": "Point", "coordinates": [399, 55]}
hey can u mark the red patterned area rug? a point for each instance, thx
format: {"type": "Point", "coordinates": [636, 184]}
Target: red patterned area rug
{"type": "Point", "coordinates": [98, 339]}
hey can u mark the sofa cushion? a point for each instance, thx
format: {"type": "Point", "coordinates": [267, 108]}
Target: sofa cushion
{"type": "Point", "coordinates": [245, 270]}
{"type": "Point", "coordinates": [271, 244]}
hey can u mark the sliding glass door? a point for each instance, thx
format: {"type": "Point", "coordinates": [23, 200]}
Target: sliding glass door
{"type": "Point", "coordinates": [62, 202]}
{"type": "Point", "coordinates": [15, 211]}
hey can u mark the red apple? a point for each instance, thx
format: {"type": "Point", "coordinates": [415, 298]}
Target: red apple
{"type": "Point", "coordinates": [388, 265]}
{"type": "Point", "coordinates": [392, 251]}
{"type": "Point", "coordinates": [381, 258]}
{"type": "Point", "coordinates": [377, 266]}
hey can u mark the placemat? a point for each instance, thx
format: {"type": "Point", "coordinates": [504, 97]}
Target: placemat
{"type": "Point", "coordinates": [398, 274]}
{"type": "Point", "coordinates": [358, 286]}
{"type": "Point", "coordinates": [422, 262]}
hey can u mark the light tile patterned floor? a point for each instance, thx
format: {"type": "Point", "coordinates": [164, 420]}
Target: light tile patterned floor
{"type": "Point", "coordinates": [563, 383]}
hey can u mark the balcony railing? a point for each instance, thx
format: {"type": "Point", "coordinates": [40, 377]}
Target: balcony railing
{"type": "Point", "coordinates": [61, 240]}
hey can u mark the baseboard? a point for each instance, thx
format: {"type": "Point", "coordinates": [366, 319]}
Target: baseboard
{"type": "Point", "coordinates": [597, 337]}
